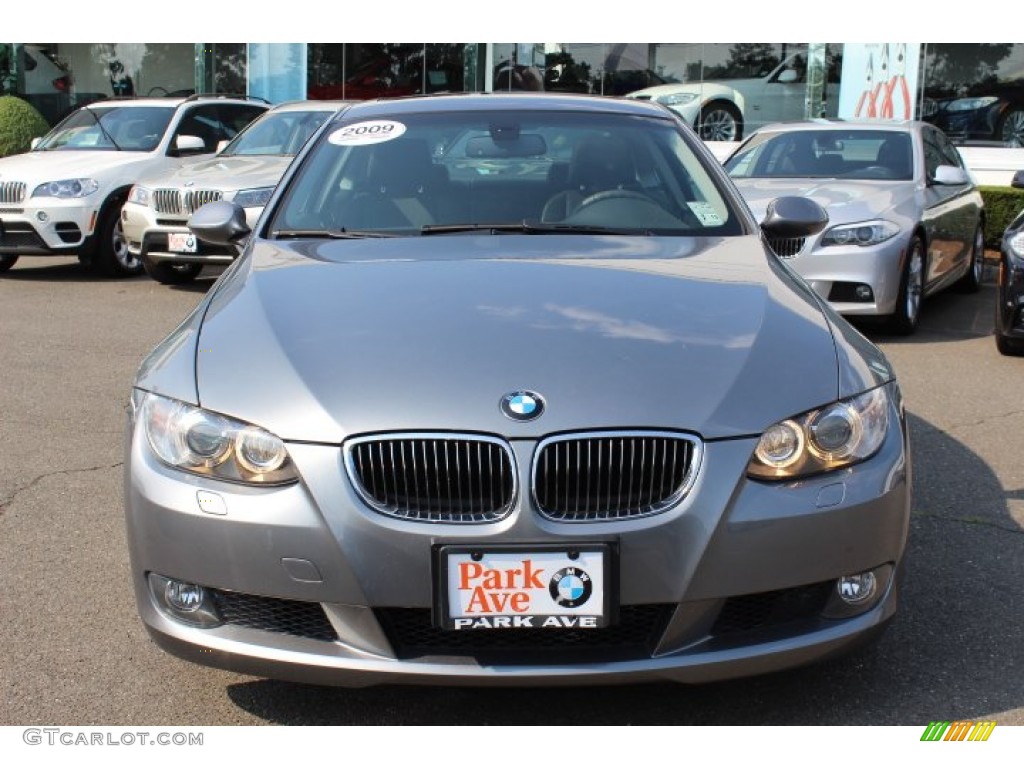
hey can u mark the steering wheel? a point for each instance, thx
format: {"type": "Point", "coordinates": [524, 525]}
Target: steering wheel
{"type": "Point", "coordinates": [613, 194]}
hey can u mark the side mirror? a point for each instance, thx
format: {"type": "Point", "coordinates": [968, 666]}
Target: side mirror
{"type": "Point", "coordinates": [189, 145]}
{"type": "Point", "coordinates": [793, 217]}
{"type": "Point", "coordinates": [35, 142]}
{"type": "Point", "coordinates": [220, 223]}
{"type": "Point", "coordinates": [950, 175]}
{"type": "Point", "coordinates": [788, 76]}
{"type": "Point", "coordinates": [221, 144]}
{"type": "Point", "coordinates": [1018, 180]}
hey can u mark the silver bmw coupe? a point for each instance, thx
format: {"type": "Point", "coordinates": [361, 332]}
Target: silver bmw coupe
{"type": "Point", "coordinates": [511, 389]}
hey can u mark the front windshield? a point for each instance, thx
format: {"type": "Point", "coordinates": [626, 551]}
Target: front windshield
{"type": "Point", "coordinates": [277, 133]}
{"type": "Point", "coordinates": [825, 154]}
{"type": "Point", "coordinates": [537, 170]}
{"type": "Point", "coordinates": [110, 127]}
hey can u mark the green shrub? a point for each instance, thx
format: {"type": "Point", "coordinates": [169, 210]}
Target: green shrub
{"type": "Point", "coordinates": [19, 124]}
{"type": "Point", "coordinates": [1001, 205]}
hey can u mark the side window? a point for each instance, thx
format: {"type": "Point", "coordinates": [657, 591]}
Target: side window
{"type": "Point", "coordinates": [234, 117]}
{"type": "Point", "coordinates": [949, 153]}
{"type": "Point", "coordinates": [204, 122]}
{"type": "Point", "coordinates": [932, 154]}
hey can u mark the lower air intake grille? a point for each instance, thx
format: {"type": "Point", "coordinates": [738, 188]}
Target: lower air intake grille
{"type": "Point", "coordinates": [611, 476]}
{"type": "Point", "coordinates": [634, 636]}
{"type": "Point", "coordinates": [289, 617]}
{"type": "Point", "coordinates": [434, 477]}
{"type": "Point", "coordinates": [771, 609]}
{"type": "Point", "coordinates": [787, 247]}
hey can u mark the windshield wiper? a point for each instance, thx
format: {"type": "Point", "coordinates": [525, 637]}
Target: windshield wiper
{"type": "Point", "coordinates": [333, 234]}
{"type": "Point", "coordinates": [531, 228]}
{"type": "Point", "coordinates": [106, 133]}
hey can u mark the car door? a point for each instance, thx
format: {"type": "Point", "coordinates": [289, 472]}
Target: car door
{"type": "Point", "coordinates": [950, 211]}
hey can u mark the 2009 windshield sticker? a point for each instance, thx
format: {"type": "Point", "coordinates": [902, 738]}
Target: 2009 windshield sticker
{"type": "Point", "coordinates": [368, 132]}
{"type": "Point", "coordinates": [706, 213]}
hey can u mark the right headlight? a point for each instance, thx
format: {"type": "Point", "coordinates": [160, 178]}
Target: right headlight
{"type": "Point", "coordinates": [205, 443]}
{"type": "Point", "coordinates": [863, 233]}
{"type": "Point", "coordinates": [828, 438]}
{"type": "Point", "coordinates": [676, 99]}
{"type": "Point", "coordinates": [139, 195]}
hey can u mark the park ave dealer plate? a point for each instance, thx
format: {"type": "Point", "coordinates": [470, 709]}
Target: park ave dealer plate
{"type": "Point", "coordinates": [182, 242]}
{"type": "Point", "coordinates": [539, 588]}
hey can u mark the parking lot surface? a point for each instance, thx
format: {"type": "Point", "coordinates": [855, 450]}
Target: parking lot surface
{"type": "Point", "coordinates": [75, 653]}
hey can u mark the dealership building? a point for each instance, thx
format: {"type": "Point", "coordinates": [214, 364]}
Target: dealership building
{"type": "Point", "coordinates": [973, 91]}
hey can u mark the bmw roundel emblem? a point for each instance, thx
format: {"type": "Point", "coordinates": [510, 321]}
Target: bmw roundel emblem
{"type": "Point", "coordinates": [570, 587]}
{"type": "Point", "coordinates": [522, 406]}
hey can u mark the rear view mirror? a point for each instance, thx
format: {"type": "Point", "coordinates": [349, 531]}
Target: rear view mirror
{"type": "Point", "coordinates": [788, 76]}
{"type": "Point", "coordinates": [794, 217]}
{"type": "Point", "coordinates": [220, 223]}
{"type": "Point", "coordinates": [35, 142]}
{"type": "Point", "coordinates": [221, 144]}
{"type": "Point", "coordinates": [1018, 180]}
{"type": "Point", "coordinates": [951, 175]}
{"type": "Point", "coordinates": [189, 145]}
{"type": "Point", "coordinates": [523, 145]}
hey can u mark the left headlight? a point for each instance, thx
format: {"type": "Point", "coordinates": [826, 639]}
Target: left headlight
{"type": "Point", "coordinates": [864, 233]}
{"type": "Point", "coordinates": [66, 188]}
{"type": "Point", "coordinates": [832, 437]}
{"type": "Point", "coordinates": [196, 440]}
{"type": "Point", "coordinates": [253, 198]}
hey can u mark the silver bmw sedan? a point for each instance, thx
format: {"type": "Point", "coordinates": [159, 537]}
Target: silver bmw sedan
{"type": "Point", "coordinates": [511, 389]}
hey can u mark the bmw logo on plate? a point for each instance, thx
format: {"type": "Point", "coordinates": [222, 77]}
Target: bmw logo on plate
{"type": "Point", "coordinates": [570, 587]}
{"type": "Point", "coordinates": [522, 406]}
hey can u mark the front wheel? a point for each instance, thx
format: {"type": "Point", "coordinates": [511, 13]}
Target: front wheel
{"type": "Point", "coordinates": [112, 256]}
{"type": "Point", "coordinates": [971, 281]}
{"type": "Point", "coordinates": [1011, 128]}
{"type": "Point", "coordinates": [168, 273]}
{"type": "Point", "coordinates": [720, 121]}
{"type": "Point", "coordinates": [908, 303]}
{"type": "Point", "coordinates": [6, 262]}
{"type": "Point", "coordinates": [1008, 346]}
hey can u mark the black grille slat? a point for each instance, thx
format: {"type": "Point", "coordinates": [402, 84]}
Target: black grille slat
{"type": "Point", "coordinates": [766, 610]}
{"type": "Point", "coordinates": [442, 478]}
{"type": "Point", "coordinates": [271, 614]}
{"type": "Point", "coordinates": [634, 635]}
{"type": "Point", "coordinates": [610, 476]}
{"type": "Point", "coordinates": [787, 247]}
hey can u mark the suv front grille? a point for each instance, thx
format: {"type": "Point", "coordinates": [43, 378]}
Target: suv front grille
{"type": "Point", "coordinates": [173, 201]}
{"type": "Point", "coordinates": [612, 476]}
{"type": "Point", "coordinates": [434, 477]}
{"type": "Point", "coordinates": [12, 191]}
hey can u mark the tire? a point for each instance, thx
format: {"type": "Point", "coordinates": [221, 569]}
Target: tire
{"type": "Point", "coordinates": [908, 303]}
{"type": "Point", "coordinates": [111, 256]}
{"type": "Point", "coordinates": [168, 273]}
{"type": "Point", "coordinates": [720, 121]}
{"type": "Point", "coordinates": [1011, 128]}
{"type": "Point", "coordinates": [1009, 347]}
{"type": "Point", "coordinates": [6, 262]}
{"type": "Point", "coordinates": [971, 281]}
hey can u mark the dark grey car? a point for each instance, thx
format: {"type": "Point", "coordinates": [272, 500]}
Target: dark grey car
{"type": "Point", "coordinates": [510, 389]}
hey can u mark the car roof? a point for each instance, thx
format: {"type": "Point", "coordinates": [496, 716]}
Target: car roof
{"type": "Point", "coordinates": [316, 105]}
{"type": "Point", "coordinates": [838, 124]}
{"type": "Point", "coordinates": [511, 102]}
{"type": "Point", "coordinates": [172, 101]}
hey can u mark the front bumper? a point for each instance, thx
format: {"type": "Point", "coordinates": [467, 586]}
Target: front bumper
{"type": "Point", "coordinates": [47, 226]}
{"type": "Point", "coordinates": [835, 271]}
{"type": "Point", "coordinates": [730, 542]}
{"type": "Point", "coordinates": [1009, 320]}
{"type": "Point", "coordinates": [146, 235]}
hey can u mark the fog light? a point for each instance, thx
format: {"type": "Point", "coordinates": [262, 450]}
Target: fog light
{"type": "Point", "coordinates": [42, 216]}
{"type": "Point", "coordinates": [863, 292]}
{"type": "Point", "coordinates": [188, 603]}
{"type": "Point", "coordinates": [857, 589]}
{"type": "Point", "coordinates": [187, 598]}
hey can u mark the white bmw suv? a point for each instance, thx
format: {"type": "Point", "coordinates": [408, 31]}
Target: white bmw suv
{"type": "Point", "coordinates": [65, 196]}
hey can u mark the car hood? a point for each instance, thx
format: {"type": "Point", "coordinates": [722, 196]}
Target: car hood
{"type": "Point", "coordinates": [846, 201]}
{"type": "Point", "coordinates": [37, 167]}
{"type": "Point", "coordinates": [226, 173]}
{"type": "Point", "coordinates": [318, 342]}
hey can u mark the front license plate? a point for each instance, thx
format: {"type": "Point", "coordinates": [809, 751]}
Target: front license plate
{"type": "Point", "coordinates": [182, 242]}
{"type": "Point", "coordinates": [525, 588]}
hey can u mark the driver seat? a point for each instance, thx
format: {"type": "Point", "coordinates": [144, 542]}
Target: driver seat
{"type": "Point", "coordinates": [599, 164]}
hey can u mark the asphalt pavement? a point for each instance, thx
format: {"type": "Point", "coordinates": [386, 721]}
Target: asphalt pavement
{"type": "Point", "coordinates": [73, 651]}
